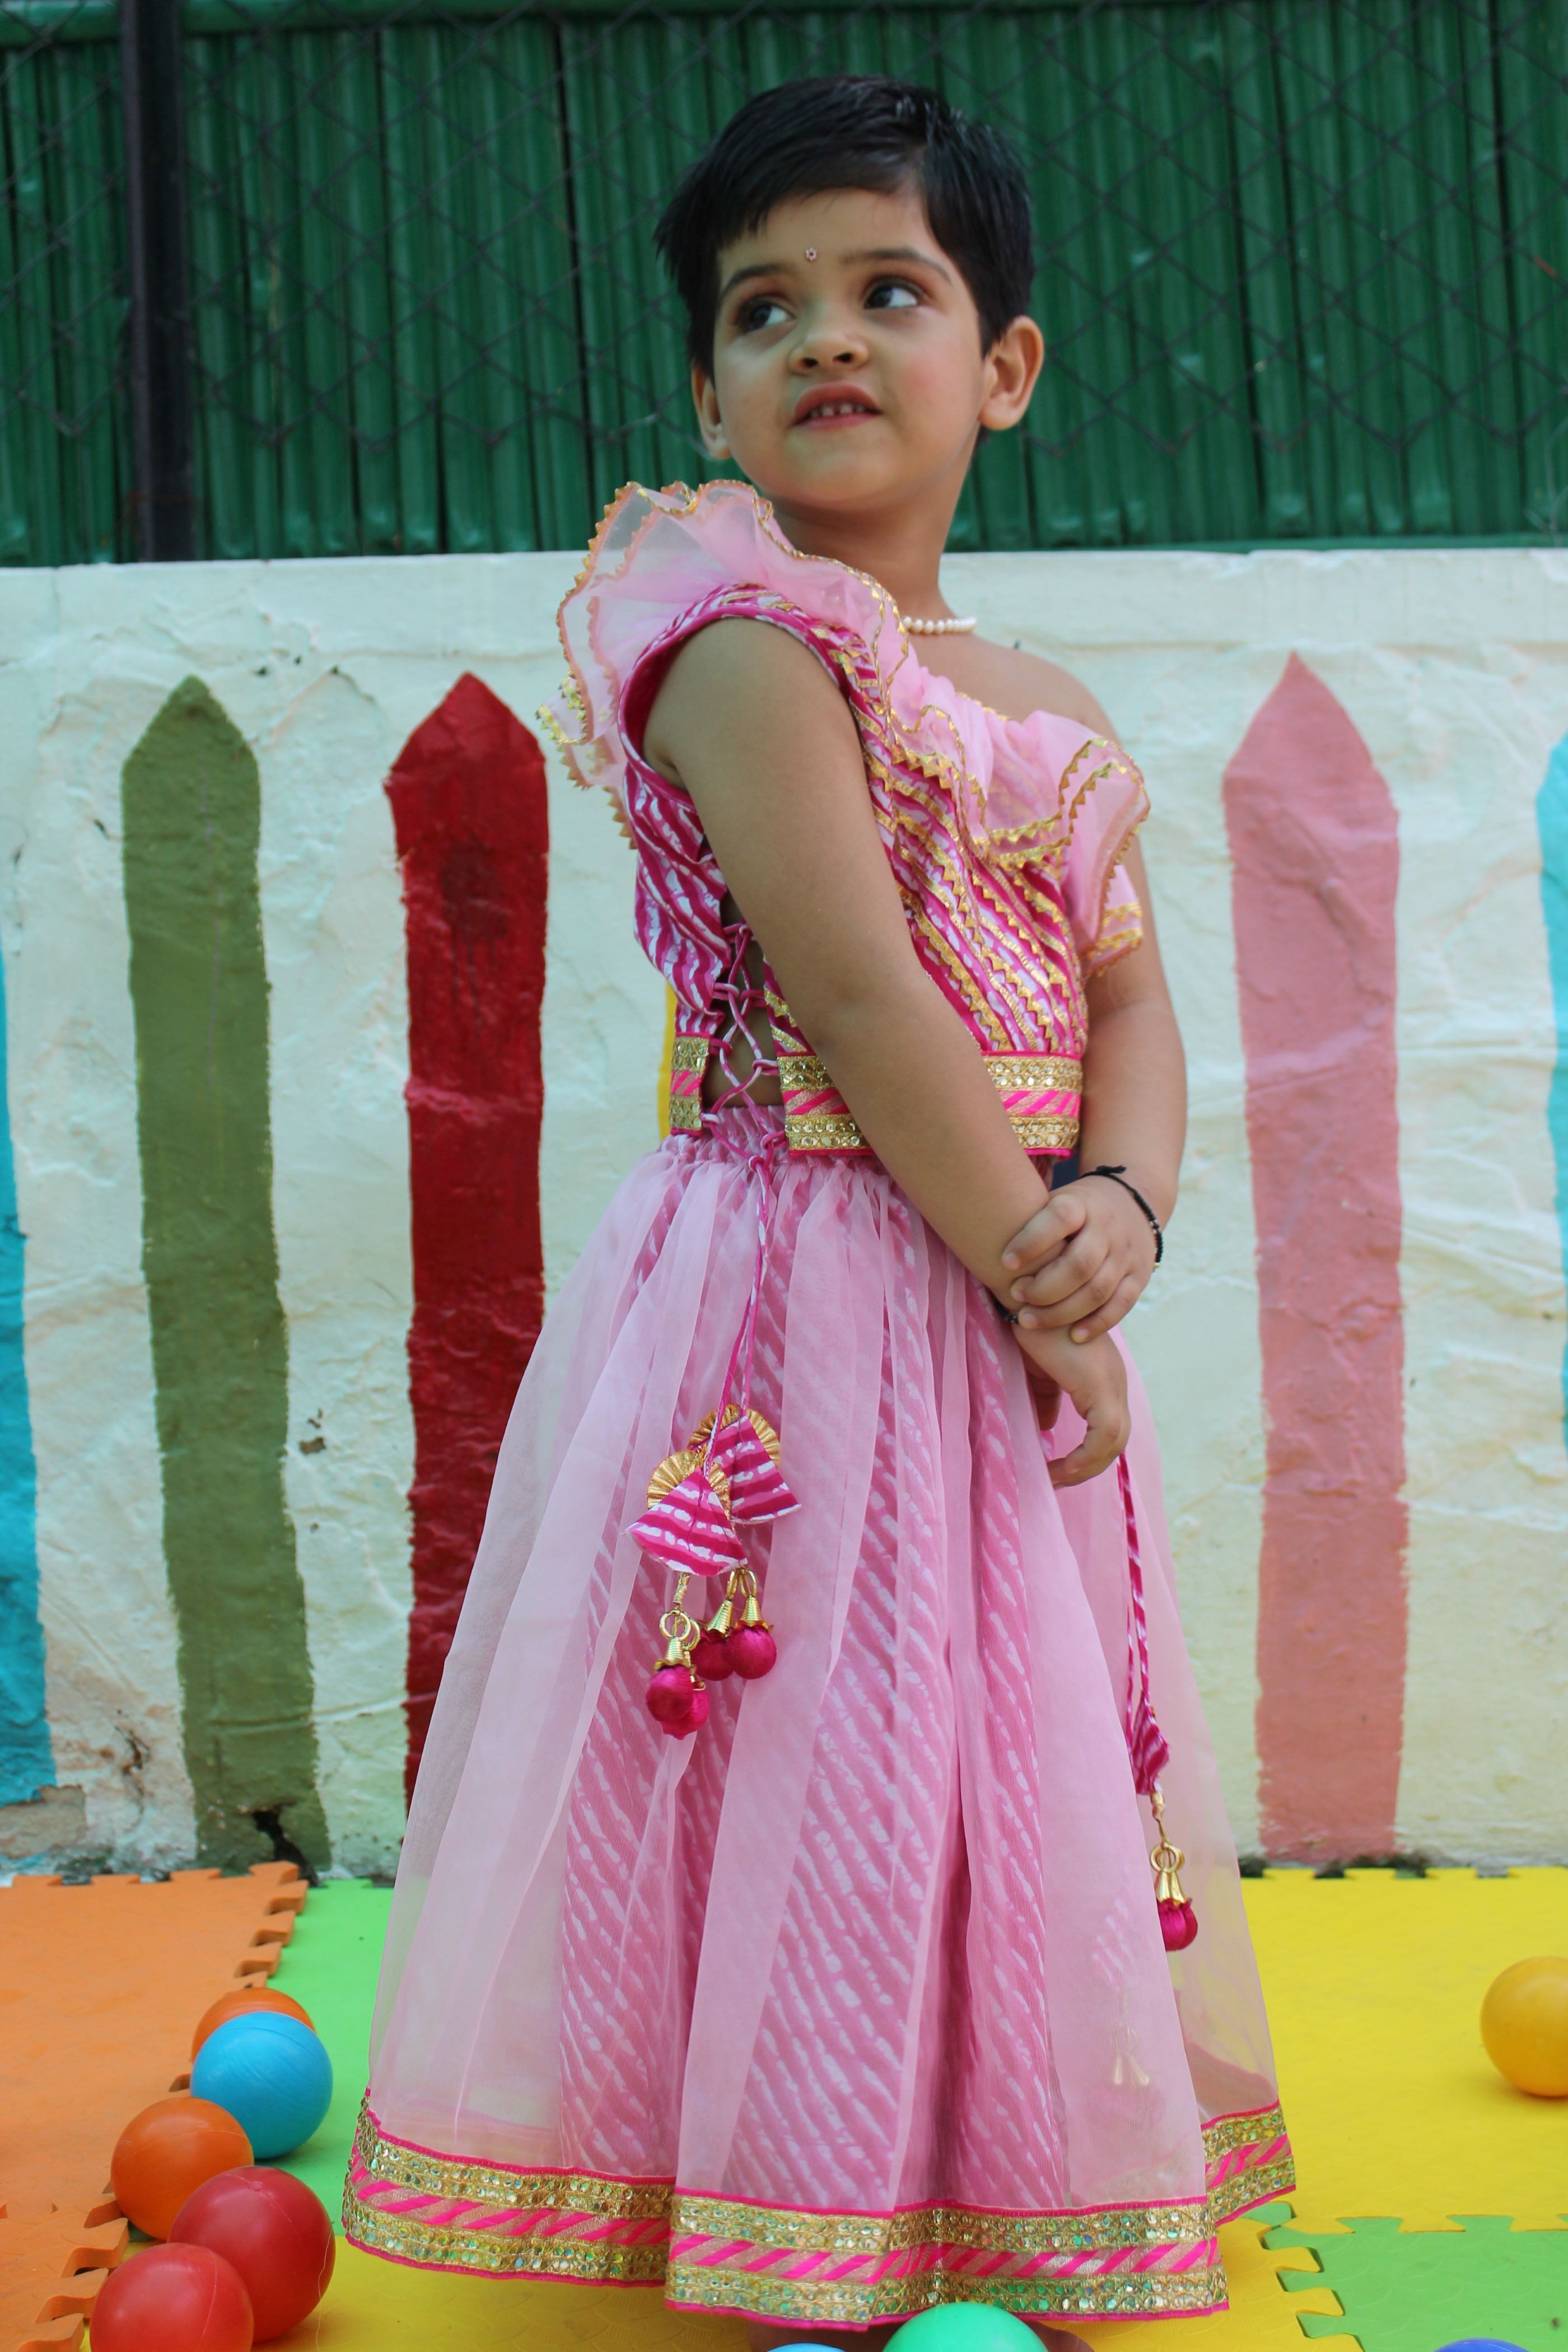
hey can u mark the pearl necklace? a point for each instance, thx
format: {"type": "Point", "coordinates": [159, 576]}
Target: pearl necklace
{"type": "Point", "coordinates": [952, 627]}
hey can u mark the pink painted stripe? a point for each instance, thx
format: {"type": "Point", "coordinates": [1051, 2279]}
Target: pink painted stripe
{"type": "Point", "coordinates": [1315, 866]}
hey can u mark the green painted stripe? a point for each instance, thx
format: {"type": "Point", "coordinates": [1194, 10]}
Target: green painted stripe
{"type": "Point", "coordinates": [191, 808]}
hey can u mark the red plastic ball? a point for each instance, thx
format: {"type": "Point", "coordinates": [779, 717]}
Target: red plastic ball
{"type": "Point", "coordinates": [692, 1718]}
{"type": "Point", "coordinates": [244, 2001]}
{"type": "Point", "coordinates": [670, 1693]}
{"type": "Point", "coordinates": [277, 2235]}
{"type": "Point", "coordinates": [167, 2151]}
{"type": "Point", "coordinates": [173, 2299]}
{"type": "Point", "coordinates": [753, 1651]}
{"type": "Point", "coordinates": [1178, 1925]}
{"type": "Point", "coordinates": [711, 1658]}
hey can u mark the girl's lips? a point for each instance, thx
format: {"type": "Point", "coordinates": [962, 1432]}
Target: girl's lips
{"type": "Point", "coordinates": [824, 418]}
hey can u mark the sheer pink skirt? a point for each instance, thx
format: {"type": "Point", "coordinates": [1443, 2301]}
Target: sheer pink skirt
{"type": "Point", "coordinates": [856, 2000]}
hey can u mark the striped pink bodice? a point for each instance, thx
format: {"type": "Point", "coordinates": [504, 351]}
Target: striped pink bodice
{"type": "Point", "coordinates": [1005, 837]}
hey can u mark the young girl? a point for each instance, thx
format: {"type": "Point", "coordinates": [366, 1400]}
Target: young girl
{"type": "Point", "coordinates": [809, 1961]}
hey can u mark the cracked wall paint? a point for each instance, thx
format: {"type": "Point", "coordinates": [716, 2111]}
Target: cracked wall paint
{"type": "Point", "coordinates": [1453, 670]}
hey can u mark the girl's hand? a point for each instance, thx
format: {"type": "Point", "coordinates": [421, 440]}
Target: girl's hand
{"type": "Point", "coordinates": [1082, 1261]}
{"type": "Point", "coordinates": [1092, 1374]}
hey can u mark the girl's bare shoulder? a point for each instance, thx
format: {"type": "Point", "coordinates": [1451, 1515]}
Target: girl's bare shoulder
{"type": "Point", "coordinates": [1018, 684]}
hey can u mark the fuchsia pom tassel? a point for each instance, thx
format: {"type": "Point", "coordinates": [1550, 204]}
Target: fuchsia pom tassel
{"type": "Point", "coordinates": [1178, 1926]}
{"type": "Point", "coordinates": [688, 1528]}
{"type": "Point", "coordinates": [746, 1451]}
{"type": "Point", "coordinates": [694, 1496]}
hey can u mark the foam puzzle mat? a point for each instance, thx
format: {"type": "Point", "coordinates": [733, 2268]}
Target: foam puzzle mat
{"type": "Point", "coordinates": [1433, 2203]}
{"type": "Point", "coordinates": [100, 1987]}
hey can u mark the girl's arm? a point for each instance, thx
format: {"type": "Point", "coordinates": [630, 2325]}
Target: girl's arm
{"type": "Point", "coordinates": [750, 723]}
{"type": "Point", "coordinates": [1093, 1247]}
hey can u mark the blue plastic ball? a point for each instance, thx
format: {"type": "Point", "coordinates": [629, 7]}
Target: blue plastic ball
{"type": "Point", "coordinates": [273, 2076]}
{"type": "Point", "coordinates": [966, 2328]}
{"type": "Point", "coordinates": [1480, 2344]}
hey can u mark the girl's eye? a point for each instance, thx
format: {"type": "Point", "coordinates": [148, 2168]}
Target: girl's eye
{"type": "Point", "coordinates": [763, 310]}
{"type": "Point", "coordinates": [892, 294]}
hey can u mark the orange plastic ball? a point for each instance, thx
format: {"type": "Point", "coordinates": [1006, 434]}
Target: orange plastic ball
{"type": "Point", "coordinates": [176, 2298]}
{"type": "Point", "coordinates": [243, 2002]}
{"type": "Point", "coordinates": [1524, 2024]}
{"type": "Point", "coordinates": [168, 2150]}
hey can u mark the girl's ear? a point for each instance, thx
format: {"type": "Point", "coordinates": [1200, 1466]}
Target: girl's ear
{"type": "Point", "coordinates": [1013, 367]}
{"type": "Point", "coordinates": [705, 400]}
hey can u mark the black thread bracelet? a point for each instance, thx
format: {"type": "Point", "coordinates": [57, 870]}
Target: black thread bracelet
{"type": "Point", "coordinates": [1119, 1176]}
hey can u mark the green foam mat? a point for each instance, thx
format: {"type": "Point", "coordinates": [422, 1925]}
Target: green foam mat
{"type": "Point", "coordinates": [330, 1966]}
{"type": "Point", "coordinates": [1418, 2291]}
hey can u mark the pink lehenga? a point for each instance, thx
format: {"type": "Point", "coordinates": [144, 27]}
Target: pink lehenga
{"type": "Point", "coordinates": [852, 1998]}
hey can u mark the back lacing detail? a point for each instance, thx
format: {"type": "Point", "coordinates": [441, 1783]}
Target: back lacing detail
{"type": "Point", "coordinates": [741, 997]}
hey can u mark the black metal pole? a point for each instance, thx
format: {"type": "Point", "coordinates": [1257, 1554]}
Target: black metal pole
{"type": "Point", "coordinates": [160, 304]}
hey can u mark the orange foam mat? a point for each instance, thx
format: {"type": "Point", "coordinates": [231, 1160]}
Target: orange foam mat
{"type": "Point", "coordinates": [100, 1987]}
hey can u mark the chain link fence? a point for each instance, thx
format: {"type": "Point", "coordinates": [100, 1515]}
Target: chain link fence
{"type": "Point", "coordinates": [1303, 265]}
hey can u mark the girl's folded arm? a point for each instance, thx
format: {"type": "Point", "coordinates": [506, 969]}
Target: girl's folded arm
{"type": "Point", "coordinates": [750, 724]}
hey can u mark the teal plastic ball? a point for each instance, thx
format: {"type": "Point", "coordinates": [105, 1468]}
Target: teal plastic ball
{"type": "Point", "coordinates": [271, 2074]}
{"type": "Point", "coordinates": [966, 2328]}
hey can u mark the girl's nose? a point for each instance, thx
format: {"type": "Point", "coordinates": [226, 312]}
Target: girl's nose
{"type": "Point", "coordinates": [829, 342]}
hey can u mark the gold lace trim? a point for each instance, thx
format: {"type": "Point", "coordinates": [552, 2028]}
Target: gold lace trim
{"type": "Point", "coordinates": [844, 2303]}
{"type": "Point", "coordinates": [436, 2246]}
{"type": "Point", "coordinates": [1045, 1130]}
{"type": "Point", "coordinates": [1053, 1070]}
{"type": "Point", "coordinates": [1110, 2229]}
{"type": "Point", "coordinates": [1056, 1071]}
{"type": "Point", "coordinates": [823, 1130]}
{"type": "Point", "coordinates": [1228, 2133]}
{"type": "Point", "coordinates": [599, 2228]}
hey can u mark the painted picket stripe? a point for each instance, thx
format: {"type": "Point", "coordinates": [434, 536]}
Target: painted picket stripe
{"type": "Point", "coordinates": [191, 801]}
{"type": "Point", "coordinates": [469, 798]}
{"type": "Point", "coordinates": [1314, 838]}
{"type": "Point", "coordinates": [27, 1758]}
{"type": "Point", "coordinates": [1551, 819]}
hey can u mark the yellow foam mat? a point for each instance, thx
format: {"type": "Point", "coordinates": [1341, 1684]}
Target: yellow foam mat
{"type": "Point", "coordinates": [1375, 1987]}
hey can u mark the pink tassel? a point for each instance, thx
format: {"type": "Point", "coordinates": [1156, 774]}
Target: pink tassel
{"type": "Point", "coordinates": [757, 1488]}
{"type": "Point", "coordinates": [688, 1528]}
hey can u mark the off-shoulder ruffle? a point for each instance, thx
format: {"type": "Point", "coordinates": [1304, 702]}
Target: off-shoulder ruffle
{"type": "Point", "coordinates": [1036, 792]}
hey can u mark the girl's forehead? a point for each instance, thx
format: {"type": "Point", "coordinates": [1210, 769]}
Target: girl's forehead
{"type": "Point", "coordinates": [841, 223]}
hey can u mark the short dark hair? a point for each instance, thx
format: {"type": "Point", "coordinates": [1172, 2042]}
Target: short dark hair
{"type": "Point", "coordinates": [853, 130]}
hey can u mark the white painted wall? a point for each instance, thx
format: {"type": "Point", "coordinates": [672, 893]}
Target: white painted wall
{"type": "Point", "coordinates": [1454, 666]}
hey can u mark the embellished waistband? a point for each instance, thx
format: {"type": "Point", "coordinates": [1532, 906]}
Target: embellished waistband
{"type": "Point", "coordinates": [1040, 1093]}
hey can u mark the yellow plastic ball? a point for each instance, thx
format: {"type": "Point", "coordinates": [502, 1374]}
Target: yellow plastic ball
{"type": "Point", "coordinates": [1524, 2024]}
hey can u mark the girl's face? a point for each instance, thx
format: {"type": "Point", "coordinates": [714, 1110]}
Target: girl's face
{"type": "Point", "coordinates": [848, 375]}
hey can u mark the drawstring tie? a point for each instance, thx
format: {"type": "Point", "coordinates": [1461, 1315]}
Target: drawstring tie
{"type": "Point", "coordinates": [727, 1474]}
{"type": "Point", "coordinates": [1148, 1749]}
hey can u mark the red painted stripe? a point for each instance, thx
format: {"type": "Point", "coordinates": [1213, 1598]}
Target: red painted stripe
{"type": "Point", "coordinates": [1315, 868]}
{"type": "Point", "coordinates": [468, 804]}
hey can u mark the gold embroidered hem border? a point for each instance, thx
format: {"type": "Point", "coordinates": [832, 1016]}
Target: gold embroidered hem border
{"type": "Point", "coordinates": [723, 2254]}
{"type": "Point", "coordinates": [1226, 2134]}
{"type": "Point", "coordinates": [842, 2303]}
{"type": "Point", "coordinates": [564, 2253]}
